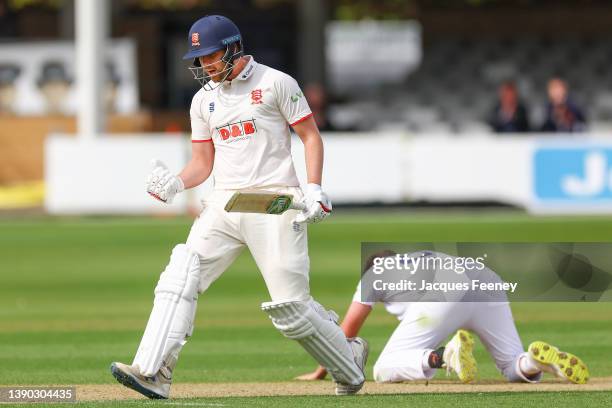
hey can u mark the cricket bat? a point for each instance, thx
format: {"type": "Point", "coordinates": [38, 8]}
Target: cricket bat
{"type": "Point", "coordinates": [263, 202]}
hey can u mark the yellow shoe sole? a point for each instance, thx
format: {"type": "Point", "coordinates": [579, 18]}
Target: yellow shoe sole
{"type": "Point", "coordinates": [565, 365]}
{"type": "Point", "coordinates": [469, 368]}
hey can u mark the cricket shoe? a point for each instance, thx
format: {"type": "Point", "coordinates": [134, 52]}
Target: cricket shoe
{"type": "Point", "coordinates": [458, 356]}
{"type": "Point", "coordinates": [563, 365]}
{"type": "Point", "coordinates": [360, 350]}
{"type": "Point", "coordinates": [156, 387]}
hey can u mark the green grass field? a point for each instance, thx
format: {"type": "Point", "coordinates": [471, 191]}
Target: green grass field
{"type": "Point", "coordinates": [76, 292]}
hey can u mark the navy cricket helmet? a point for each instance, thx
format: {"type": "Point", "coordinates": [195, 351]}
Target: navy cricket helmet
{"type": "Point", "coordinates": [210, 34]}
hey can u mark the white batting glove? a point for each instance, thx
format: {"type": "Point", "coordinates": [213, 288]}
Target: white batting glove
{"type": "Point", "coordinates": [162, 184]}
{"type": "Point", "coordinates": [318, 205]}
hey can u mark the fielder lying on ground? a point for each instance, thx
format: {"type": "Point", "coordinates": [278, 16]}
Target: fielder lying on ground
{"type": "Point", "coordinates": [413, 352]}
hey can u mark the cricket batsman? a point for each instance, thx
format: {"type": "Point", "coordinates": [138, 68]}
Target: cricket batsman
{"type": "Point", "coordinates": [413, 351]}
{"type": "Point", "coordinates": [240, 123]}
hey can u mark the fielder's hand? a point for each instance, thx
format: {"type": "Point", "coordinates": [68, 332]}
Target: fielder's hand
{"type": "Point", "coordinates": [163, 185]}
{"type": "Point", "coordinates": [318, 205]}
{"type": "Point", "coordinates": [319, 374]}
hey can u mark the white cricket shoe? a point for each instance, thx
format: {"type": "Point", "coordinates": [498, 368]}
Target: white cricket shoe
{"type": "Point", "coordinates": [458, 356]}
{"type": "Point", "coordinates": [156, 387]}
{"type": "Point", "coordinates": [360, 350]}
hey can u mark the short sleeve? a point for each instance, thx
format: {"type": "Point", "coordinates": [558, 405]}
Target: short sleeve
{"type": "Point", "coordinates": [291, 100]}
{"type": "Point", "coordinates": [358, 298]}
{"type": "Point", "coordinates": [200, 132]}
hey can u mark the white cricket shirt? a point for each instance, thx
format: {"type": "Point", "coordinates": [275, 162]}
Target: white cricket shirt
{"type": "Point", "coordinates": [248, 121]}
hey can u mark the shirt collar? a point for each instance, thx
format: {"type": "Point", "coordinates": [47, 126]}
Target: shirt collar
{"type": "Point", "coordinates": [248, 69]}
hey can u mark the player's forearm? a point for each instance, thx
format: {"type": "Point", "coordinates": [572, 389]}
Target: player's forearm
{"type": "Point", "coordinates": [313, 151]}
{"type": "Point", "coordinates": [355, 318]}
{"type": "Point", "coordinates": [196, 172]}
{"type": "Point", "coordinates": [200, 166]}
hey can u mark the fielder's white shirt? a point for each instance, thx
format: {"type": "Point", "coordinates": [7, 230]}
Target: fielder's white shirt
{"type": "Point", "coordinates": [248, 121]}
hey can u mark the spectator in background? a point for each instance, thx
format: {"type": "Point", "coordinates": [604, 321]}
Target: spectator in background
{"type": "Point", "coordinates": [509, 114]}
{"type": "Point", "coordinates": [8, 90]}
{"type": "Point", "coordinates": [112, 88]}
{"type": "Point", "coordinates": [317, 100]}
{"type": "Point", "coordinates": [562, 115]}
{"type": "Point", "coordinates": [54, 84]}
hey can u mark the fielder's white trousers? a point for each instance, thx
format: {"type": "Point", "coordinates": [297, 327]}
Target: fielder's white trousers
{"type": "Point", "coordinates": [279, 247]}
{"type": "Point", "coordinates": [426, 325]}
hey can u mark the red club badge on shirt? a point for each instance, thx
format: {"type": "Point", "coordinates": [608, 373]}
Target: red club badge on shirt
{"type": "Point", "coordinates": [256, 96]}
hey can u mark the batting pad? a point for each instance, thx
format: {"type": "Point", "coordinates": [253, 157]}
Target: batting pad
{"type": "Point", "coordinates": [174, 307]}
{"type": "Point", "coordinates": [317, 330]}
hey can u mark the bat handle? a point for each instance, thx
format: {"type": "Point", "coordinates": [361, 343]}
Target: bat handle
{"type": "Point", "coordinates": [298, 206]}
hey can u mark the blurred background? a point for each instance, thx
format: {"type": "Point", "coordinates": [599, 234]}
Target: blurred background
{"type": "Point", "coordinates": [492, 102]}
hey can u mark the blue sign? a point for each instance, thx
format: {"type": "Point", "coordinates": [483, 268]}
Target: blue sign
{"type": "Point", "coordinates": [577, 175]}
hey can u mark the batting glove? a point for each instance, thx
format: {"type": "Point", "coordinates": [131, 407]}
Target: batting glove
{"type": "Point", "coordinates": [318, 205]}
{"type": "Point", "coordinates": [163, 185]}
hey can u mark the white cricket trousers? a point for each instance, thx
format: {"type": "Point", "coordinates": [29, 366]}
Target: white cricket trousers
{"type": "Point", "coordinates": [425, 326]}
{"type": "Point", "coordinates": [279, 248]}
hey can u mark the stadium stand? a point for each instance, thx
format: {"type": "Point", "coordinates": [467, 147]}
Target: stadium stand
{"type": "Point", "coordinates": [454, 89]}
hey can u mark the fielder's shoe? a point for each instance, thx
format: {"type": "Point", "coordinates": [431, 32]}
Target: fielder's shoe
{"type": "Point", "coordinates": [360, 350]}
{"type": "Point", "coordinates": [563, 365]}
{"type": "Point", "coordinates": [458, 356]}
{"type": "Point", "coordinates": [156, 387]}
